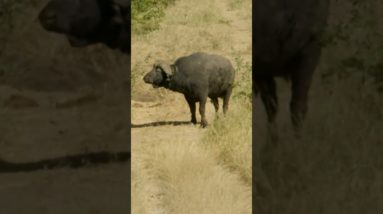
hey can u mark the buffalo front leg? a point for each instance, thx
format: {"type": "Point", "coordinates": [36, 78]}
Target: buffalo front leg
{"type": "Point", "coordinates": [192, 107]}
{"type": "Point", "coordinates": [202, 104]}
{"type": "Point", "coordinates": [301, 82]}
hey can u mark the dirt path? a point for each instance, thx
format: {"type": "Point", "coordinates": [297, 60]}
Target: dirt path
{"type": "Point", "coordinates": [164, 121]}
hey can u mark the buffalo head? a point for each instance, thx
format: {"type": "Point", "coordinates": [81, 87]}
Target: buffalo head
{"type": "Point", "coordinates": [87, 22]}
{"type": "Point", "coordinates": [159, 75]}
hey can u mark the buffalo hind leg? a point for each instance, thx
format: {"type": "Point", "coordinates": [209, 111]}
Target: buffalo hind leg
{"type": "Point", "coordinates": [215, 103]}
{"type": "Point", "coordinates": [226, 99]}
{"type": "Point", "coordinates": [202, 104]}
{"type": "Point", "coordinates": [267, 89]}
{"type": "Point", "coordinates": [192, 107]}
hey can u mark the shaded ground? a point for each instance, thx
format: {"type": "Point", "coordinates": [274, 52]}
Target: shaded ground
{"type": "Point", "coordinates": [84, 190]}
{"type": "Point", "coordinates": [64, 122]}
{"type": "Point", "coordinates": [60, 150]}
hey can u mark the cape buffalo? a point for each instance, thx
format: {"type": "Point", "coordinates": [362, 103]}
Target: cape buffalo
{"type": "Point", "coordinates": [197, 76]}
{"type": "Point", "coordinates": [87, 22]}
{"type": "Point", "coordinates": [287, 44]}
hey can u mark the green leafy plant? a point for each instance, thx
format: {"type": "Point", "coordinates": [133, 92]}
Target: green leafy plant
{"type": "Point", "coordinates": [147, 14]}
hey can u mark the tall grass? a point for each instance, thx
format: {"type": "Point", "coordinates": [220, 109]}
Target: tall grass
{"type": "Point", "coordinates": [184, 178]}
{"type": "Point", "coordinates": [335, 167]}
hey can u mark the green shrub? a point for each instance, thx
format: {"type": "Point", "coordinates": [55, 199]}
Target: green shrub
{"type": "Point", "coordinates": [147, 14]}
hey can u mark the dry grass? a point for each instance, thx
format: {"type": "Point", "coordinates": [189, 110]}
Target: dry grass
{"type": "Point", "coordinates": [336, 166]}
{"type": "Point", "coordinates": [230, 136]}
{"type": "Point", "coordinates": [184, 178]}
{"type": "Point", "coordinates": [228, 139]}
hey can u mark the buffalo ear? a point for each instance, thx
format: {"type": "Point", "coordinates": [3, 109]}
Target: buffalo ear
{"type": "Point", "coordinates": [118, 16]}
{"type": "Point", "coordinates": [165, 67]}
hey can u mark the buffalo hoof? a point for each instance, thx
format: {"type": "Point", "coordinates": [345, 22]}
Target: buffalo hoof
{"type": "Point", "coordinates": [204, 124]}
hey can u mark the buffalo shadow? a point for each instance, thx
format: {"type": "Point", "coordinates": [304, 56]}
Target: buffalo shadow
{"type": "Point", "coordinates": [161, 123]}
{"type": "Point", "coordinates": [70, 161]}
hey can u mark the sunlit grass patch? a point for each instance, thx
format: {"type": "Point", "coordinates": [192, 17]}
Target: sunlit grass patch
{"type": "Point", "coordinates": [187, 179]}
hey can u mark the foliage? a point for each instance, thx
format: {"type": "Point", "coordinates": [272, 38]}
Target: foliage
{"type": "Point", "coordinates": [147, 14]}
{"type": "Point", "coordinates": [242, 85]}
{"type": "Point", "coordinates": [354, 38]}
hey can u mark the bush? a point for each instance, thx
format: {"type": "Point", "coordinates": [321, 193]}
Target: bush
{"type": "Point", "coordinates": [353, 40]}
{"type": "Point", "coordinates": [147, 14]}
